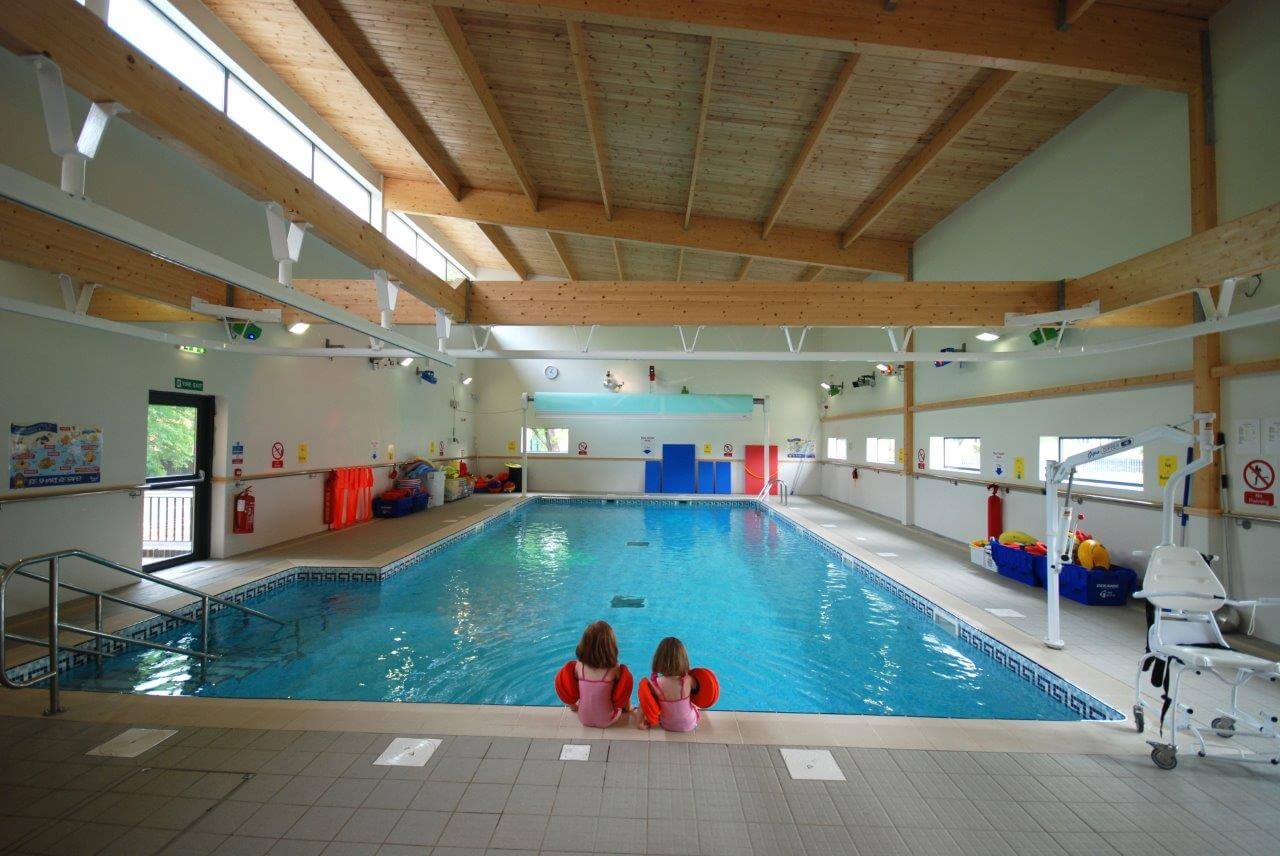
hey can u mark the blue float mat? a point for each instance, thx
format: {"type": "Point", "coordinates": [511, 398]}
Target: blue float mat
{"type": "Point", "coordinates": [653, 476]}
{"type": "Point", "coordinates": [706, 476]}
{"type": "Point", "coordinates": [678, 467]}
{"type": "Point", "coordinates": [724, 477]}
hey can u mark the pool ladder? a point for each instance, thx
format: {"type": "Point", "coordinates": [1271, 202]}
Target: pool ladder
{"type": "Point", "coordinates": [56, 625]}
{"type": "Point", "coordinates": [783, 490]}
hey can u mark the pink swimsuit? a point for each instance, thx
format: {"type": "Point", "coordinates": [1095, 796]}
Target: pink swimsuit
{"type": "Point", "coordinates": [595, 701]}
{"type": "Point", "coordinates": [677, 714]}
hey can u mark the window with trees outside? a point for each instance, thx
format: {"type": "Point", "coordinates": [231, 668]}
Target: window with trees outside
{"type": "Point", "coordinates": [546, 440]}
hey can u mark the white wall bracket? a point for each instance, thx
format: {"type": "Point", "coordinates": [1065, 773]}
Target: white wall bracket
{"type": "Point", "coordinates": [590, 332]}
{"type": "Point", "coordinates": [899, 346]}
{"type": "Point", "coordinates": [797, 344]}
{"type": "Point", "coordinates": [1216, 311]}
{"type": "Point", "coordinates": [481, 344]}
{"type": "Point", "coordinates": [286, 241]}
{"type": "Point", "coordinates": [387, 292]}
{"type": "Point", "coordinates": [234, 313]}
{"type": "Point", "coordinates": [444, 326]}
{"type": "Point", "coordinates": [76, 152]}
{"type": "Point", "coordinates": [73, 301]}
{"type": "Point", "coordinates": [1049, 319]}
{"type": "Point", "coordinates": [689, 345]}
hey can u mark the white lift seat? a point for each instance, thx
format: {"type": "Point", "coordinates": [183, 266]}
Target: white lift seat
{"type": "Point", "coordinates": [1216, 658]}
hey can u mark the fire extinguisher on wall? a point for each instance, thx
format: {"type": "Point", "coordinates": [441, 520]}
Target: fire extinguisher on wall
{"type": "Point", "coordinates": [995, 512]}
{"type": "Point", "coordinates": [242, 523]}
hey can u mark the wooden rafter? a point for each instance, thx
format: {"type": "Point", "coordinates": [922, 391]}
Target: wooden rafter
{"type": "Point", "coordinates": [578, 47]}
{"type": "Point", "coordinates": [1242, 247]}
{"type": "Point", "coordinates": [744, 268]}
{"type": "Point", "coordinates": [699, 137]}
{"type": "Point", "coordinates": [104, 67]}
{"type": "Point", "coordinates": [457, 39]}
{"type": "Point", "coordinates": [757, 303]}
{"type": "Point", "coordinates": [1072, 11]}
{"type": "Point", "coordinates": [561, 246]}
{"type": "Point", "coordinates": [1125, 46]}
{"type": "Point", "coordinates": [914, 167]}
{"type": "Point", "coordinates": [838, 89]}
{"type": "Point", "coordinates": [617, 257]}
{"type": "Point", "coordinates": [679, 264]}
{"type": "Point", "coordinates": [713, 234]}
{"type": "Point", "coordinates": [415, 131]}
{"type": "Point", "coordinates": [812, 272]}
{"type": "Point", "coordinates": [506, 249]}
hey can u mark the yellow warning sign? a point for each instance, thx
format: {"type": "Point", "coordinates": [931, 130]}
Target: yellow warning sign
{"type": "Point", "coordinates": [706, 448]}
{"type": "Point", "coordinates": [1165, 466]}
{"type": "Point", "coordinates": [431, 449]}
{"type": "Point", "coordinates": [1020, 468]}
{"type": "Point", "coordinates": [391, 451]}
{"type": "Point", "coordinates": [511, 446]}
{"type": "Point", "coordinates": [302, 453]}
{"type": "Point", "coordinates": [902, 455]}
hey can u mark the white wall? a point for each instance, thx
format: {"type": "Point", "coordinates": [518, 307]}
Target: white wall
{"type": "Point", "coordinates": [1111, 186]}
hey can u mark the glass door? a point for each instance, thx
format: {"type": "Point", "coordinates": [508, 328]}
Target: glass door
{"type": "Point", "coordinates": [175, 505]}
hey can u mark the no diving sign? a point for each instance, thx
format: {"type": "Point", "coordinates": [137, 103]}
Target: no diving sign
{"type": "Point", "coordinates": [1259, 477]}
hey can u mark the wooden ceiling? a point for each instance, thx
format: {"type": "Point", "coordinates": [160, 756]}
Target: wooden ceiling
{"type": "Point", "coordinates": [658, 119]}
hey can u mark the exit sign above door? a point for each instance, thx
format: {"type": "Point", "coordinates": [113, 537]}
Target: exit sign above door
{"type": "Point", "coordinates": [188, 383]}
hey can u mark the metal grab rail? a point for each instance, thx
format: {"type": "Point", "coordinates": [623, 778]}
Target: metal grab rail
{"type": "Point", "coordinates": [783, 490]}
{"type": "Point", "coordinates": [55, 624]}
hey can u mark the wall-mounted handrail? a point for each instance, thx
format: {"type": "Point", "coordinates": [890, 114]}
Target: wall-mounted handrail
{"type": "Point", "coordinates": [131, 489]}
{"type": "Point", "coordinates": [56, 625]}
{"type": "Point", "coordinates": [783, 490]}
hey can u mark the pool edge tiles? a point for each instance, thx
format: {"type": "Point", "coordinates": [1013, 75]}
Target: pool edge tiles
{"type": "Point", "coordinates": [1059, 689]}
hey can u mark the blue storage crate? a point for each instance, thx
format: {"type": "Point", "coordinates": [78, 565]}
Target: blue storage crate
{"type": "Point", "coordinates": [1110, 587]}
{"type": "Point", "coordinates": [419, 500]}
{"type": "Point", "coordinates": [393, 507]}
{"type": "Point", "coordinates": [1018, 564]}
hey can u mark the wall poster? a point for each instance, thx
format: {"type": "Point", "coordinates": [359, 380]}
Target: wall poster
{"type": "Point", "coordinates": [46, 454]}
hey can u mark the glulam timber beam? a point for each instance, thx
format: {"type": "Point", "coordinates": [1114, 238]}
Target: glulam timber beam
{"type": "Point", "coordinates": [733, 303]}
{"type": "Point", "coordinates": [1072, 11]}
{"type": "Point", "coordinates": [1241, 247]}
{"type": "Point", "coordinates": [819, 127]}
{"type": "Point", "coordinates": [500, 242]}
{"type": "Point", "coordinates": [914, 167]}
{"type": "Point", "coordinates": [711, 234]}
{"type": "Point", "coordinates": [578, 48]}
{"type": "Point", "coordinates": [414, 130]}
{"type": "Point", "coordinates": [700, 130]}
{"type": "Point", "coordinates": [1121, 45]}
{"type": "Point", "coordinates": [457, 40]}
{"type": "Point", "coordinates": [104, 67]}
{"type": "Point", "coordinates": [561, 247]}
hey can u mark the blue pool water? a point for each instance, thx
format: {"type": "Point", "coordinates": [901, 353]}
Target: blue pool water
{"type": "Point", "coordinates": [491, 617]}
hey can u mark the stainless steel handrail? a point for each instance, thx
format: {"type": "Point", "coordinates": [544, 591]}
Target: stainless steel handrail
{"type": "Point", "coordinates": [783, 490]}
{"type": "Point", "coordinates": [131, 489]}
{"type": "Point", "coordinates": [55, 624]}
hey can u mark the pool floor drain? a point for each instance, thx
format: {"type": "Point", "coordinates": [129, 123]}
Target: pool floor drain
{"type": "Point", "coordinates": [637, 543]}
{"type": "Point", "coordinates": [622, 601]}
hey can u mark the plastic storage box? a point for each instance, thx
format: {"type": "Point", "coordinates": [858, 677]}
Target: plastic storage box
{"type": "Point", "coordinates": [1018, 564]}
{"type": "Point", "coordinates": [398, 507]}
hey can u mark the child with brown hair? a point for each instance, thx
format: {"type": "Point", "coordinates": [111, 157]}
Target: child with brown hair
{"type": "Point", "coordinates": [672, 687]}
{"type": "Point", "coordinates": [603, 687]}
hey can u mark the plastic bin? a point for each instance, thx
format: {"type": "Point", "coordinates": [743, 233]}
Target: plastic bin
{"type": "Point", "coordinates": [515, 475]}
{"type": "Point", "coordinates": [1109, 587]}
{"type": "Point", "coordinates": [397, 507]}
{"type": "Point", "coordinates": [1018, 564]}
{"type": "Point", "coordinates": [435, 487]}
{"type": "Point", "coordinates": [420, 500]}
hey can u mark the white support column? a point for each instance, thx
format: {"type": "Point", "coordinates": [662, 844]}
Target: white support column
{"type": "Point", "coordinates": [286, 241]}
{"type": "Point", "coordinates": [524, 443]}
{"type": "Point", "coordinates": [76, 152]}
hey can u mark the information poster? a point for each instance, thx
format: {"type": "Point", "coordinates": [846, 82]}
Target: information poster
{"type": "Point", "coordinates": [46, 454]}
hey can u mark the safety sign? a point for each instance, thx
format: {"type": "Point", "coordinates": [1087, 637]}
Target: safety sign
{"type": "Point", "coordinates": [647, 445]}
{"type": "Point", "coordinates": [706, 448]}
{"type": "Point", "coordinates": [582, 448]}
{"type": "Point", "coordinates": [277, 455]}
{"type": "Point", "coordinates": [998, 458]}
{"type": "Point", "coordinates": [1019, 468]}
{"type": "Point", "coordinates": [237, 454]}
{"type": "Point", "coordinates": [511, 446]}
{"type": "Point", "coordinates": [1165, 467]}
{"type": "Point", "coordinates": [920, 459]}
{"type": "Point", "coordinates": [1259, 476]}
{"type": "Point", "coordinates": [728, 450]}
{"type": "Point", "coordinates": [302, 453]}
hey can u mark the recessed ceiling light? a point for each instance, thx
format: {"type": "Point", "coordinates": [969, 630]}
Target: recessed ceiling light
{"type": "Point", "coordinates": [466, 380]}
{"type": "Point", "coordinates": [299, 327]}
{"type": "Point", "coordinates": [407, 361]}
{"type": "Point", "coordinates": [825, 385]}
{"type": "Point", "coordinates": [987, 336]}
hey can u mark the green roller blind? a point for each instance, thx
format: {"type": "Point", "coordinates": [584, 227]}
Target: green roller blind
{"type": "Point", "coordinates": [652, 405]}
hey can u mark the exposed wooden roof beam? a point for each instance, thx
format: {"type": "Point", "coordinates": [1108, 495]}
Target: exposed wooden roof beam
{"type": "Point", "coordinates": [812, 272]}
{"type": "Point", "coordinates": [506, 249]}
{"type": "Point", "coordinates": [617, 257]}
{"type": "Point", "coordinates": [1071, 12]}
{"type": "Point", "coordinates": [457, 39]}
{"type": "Point", "coordinates": [539, 302]}
{"type": "Point", "coordinates": [838, 89]}
{"type": "Point", "coordinates": [713, 234]}
{"type": "Point", "coordinates": [412, 127]}
{"type": "Point", "coordinates": [1242, 247]}
{"type": "Point", "coordinates": [915, 166]}
{"type": "Point", "coordinates": [699, 137]}
{"type": "Point", "coordinates": [561, 246]}
{"type": "Point", "coordinates": [744, 268]}
{"type": "Point", "coordinates": [104, 67]}
{"type": "Point", "coordinates": [1124, 46]}
{"type": "Point", "coordinates": [679, 264]}
{"type": "Point", "coordinates": [578, 47]}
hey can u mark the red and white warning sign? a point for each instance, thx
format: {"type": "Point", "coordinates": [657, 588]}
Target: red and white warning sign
{"type": "Point", "coordinates": [920, 459]}
{"type": "Point", "coordinates": [1259, 477]}
{"type": "Point", "coordinates": [277, 455]}
{"type": "Point", "coordinates": [582, 448]}
{"type": "Point", "coordinates": [728, 450]}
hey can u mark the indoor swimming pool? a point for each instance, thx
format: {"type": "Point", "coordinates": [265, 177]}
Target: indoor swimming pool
{"type": "Point", "coordinates": [787, 623]}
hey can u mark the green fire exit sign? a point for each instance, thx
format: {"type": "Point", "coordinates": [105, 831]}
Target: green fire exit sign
{"type": "Point", "coordinates": [188, 383]}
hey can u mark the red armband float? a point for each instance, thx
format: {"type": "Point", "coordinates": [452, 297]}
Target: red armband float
{"type": "Point", "coordinates": [649, 707]}
{"type": "Point", "coordinates": [622, 688]}
{"type": "Point", "coordinates": [567, 683]}
{"type": "Point", "coordinates": [708, 688]}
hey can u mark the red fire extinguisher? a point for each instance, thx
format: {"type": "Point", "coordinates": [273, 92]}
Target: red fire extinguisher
{"type": "Point", "coordinates": [243, 521]}
{"type": "Point", "coordinates": [995, 512]}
